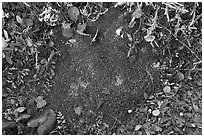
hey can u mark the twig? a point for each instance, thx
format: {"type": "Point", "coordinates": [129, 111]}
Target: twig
{"type": "Point", "coordinates": [26, 4]}
{"type": "Point", "coordinates": [94, 38]}
{"type": "Point", "coordinates": [116, 119]}
{"type": "Point", "coordinates": [197, 62]}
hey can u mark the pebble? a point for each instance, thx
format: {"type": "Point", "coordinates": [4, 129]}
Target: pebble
{"type": "Point", "coordinates": [130, 111]}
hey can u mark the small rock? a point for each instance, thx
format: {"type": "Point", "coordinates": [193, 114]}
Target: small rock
{"type": "Point", "coordinates": [167, 89]}
{"type": "Point", "coordinates": [155, 112]}
{"type": "Point", "coordinates": [129, 111]}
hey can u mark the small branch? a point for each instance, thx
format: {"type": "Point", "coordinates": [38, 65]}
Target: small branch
{"type": "Point", "coordinates": [181, 42]}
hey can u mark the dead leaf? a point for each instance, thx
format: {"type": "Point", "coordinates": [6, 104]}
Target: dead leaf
{"type": "Point", "coordinates": [143, 109]}
{"type": "Point", "coordinates": [149, 38]}
{"type": "Point", "coordinates": [119, 30]}
{"type": "Point", "coordinates": [48, 124]}
{"type": "Point", "coordinates": [39, 43]}
{"type": "Point", "coordinates": [164, 103]}
{"type": "Point", "coordinates": [198, 120]}
{"type": "Point", "coordinates": [29, 42]}
{"type": "Point", "coordinates": [41, 103]}
{"type": "Point", "coordinates": [21, 117]}
{"type": "Point", "coordinates": [19, 110]}
{"type": "Point", "coordinates": [163, 110]}
{"type": "Point", "coordinates": [195, 107]}
{"type": "Point", "coordinates": [180, 76]}
{"type": "Point", "coordinates": [145, 95]}
{"type": "Point", "coordinates": [73, 13]}
{"type": "Point", "coordinates": [78, 110]}
{"type": "Point", "coordinates": [119, 4]}
{"type": "Point", "coordinates": [29, 22]}
{"type": "Point", "coordinates": [72, 41]}
{"type": "Point", "coordinates": [6, 35]}
{"type": "Point", "coordinates": [18, 19]}
{"type": "Point", "coordinates": [106, 91]}
{"type": "Point", "coordinates": [8, 57]}
{"type": "Point", "coordinates": [38, 98]}
{"type": "Point", "coordinates": [138, 127]}
{"type": "Point", "coordinates": [45, 122]}
{"type": "Point", "coordinates": [100, 102]}
{"type": "Point", "coordinates": [81, 27]}
{"type": "Point", "coordinates": [35, 122]}
{"type": "Point", "coordinates": [129, 37]}
{"type": "Point", "coordinates": [157, 128]}
{"type": "Point", "coordinates": [4, 43]}
{"type": "Point", "coordinates": [164, 119]}
{"type": "Point", "coordinates": [67, 32]}
{"type": "Point", "coordinates": [8, 124]}
{"type": "Point", "coordinates": [137, 13]}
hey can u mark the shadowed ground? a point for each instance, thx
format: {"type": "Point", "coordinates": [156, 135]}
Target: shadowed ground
{"type": "Point", "coordinates": [99, 77]}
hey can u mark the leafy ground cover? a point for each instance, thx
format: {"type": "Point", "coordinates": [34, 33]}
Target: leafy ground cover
{"type": "Point", "coordinates": [102, 68]}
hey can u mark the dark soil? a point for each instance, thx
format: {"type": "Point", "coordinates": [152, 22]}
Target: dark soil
{"type": "Point", "coordinates": [99, 77]}
{"type": "Point", "coordinates": [102, 68]}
